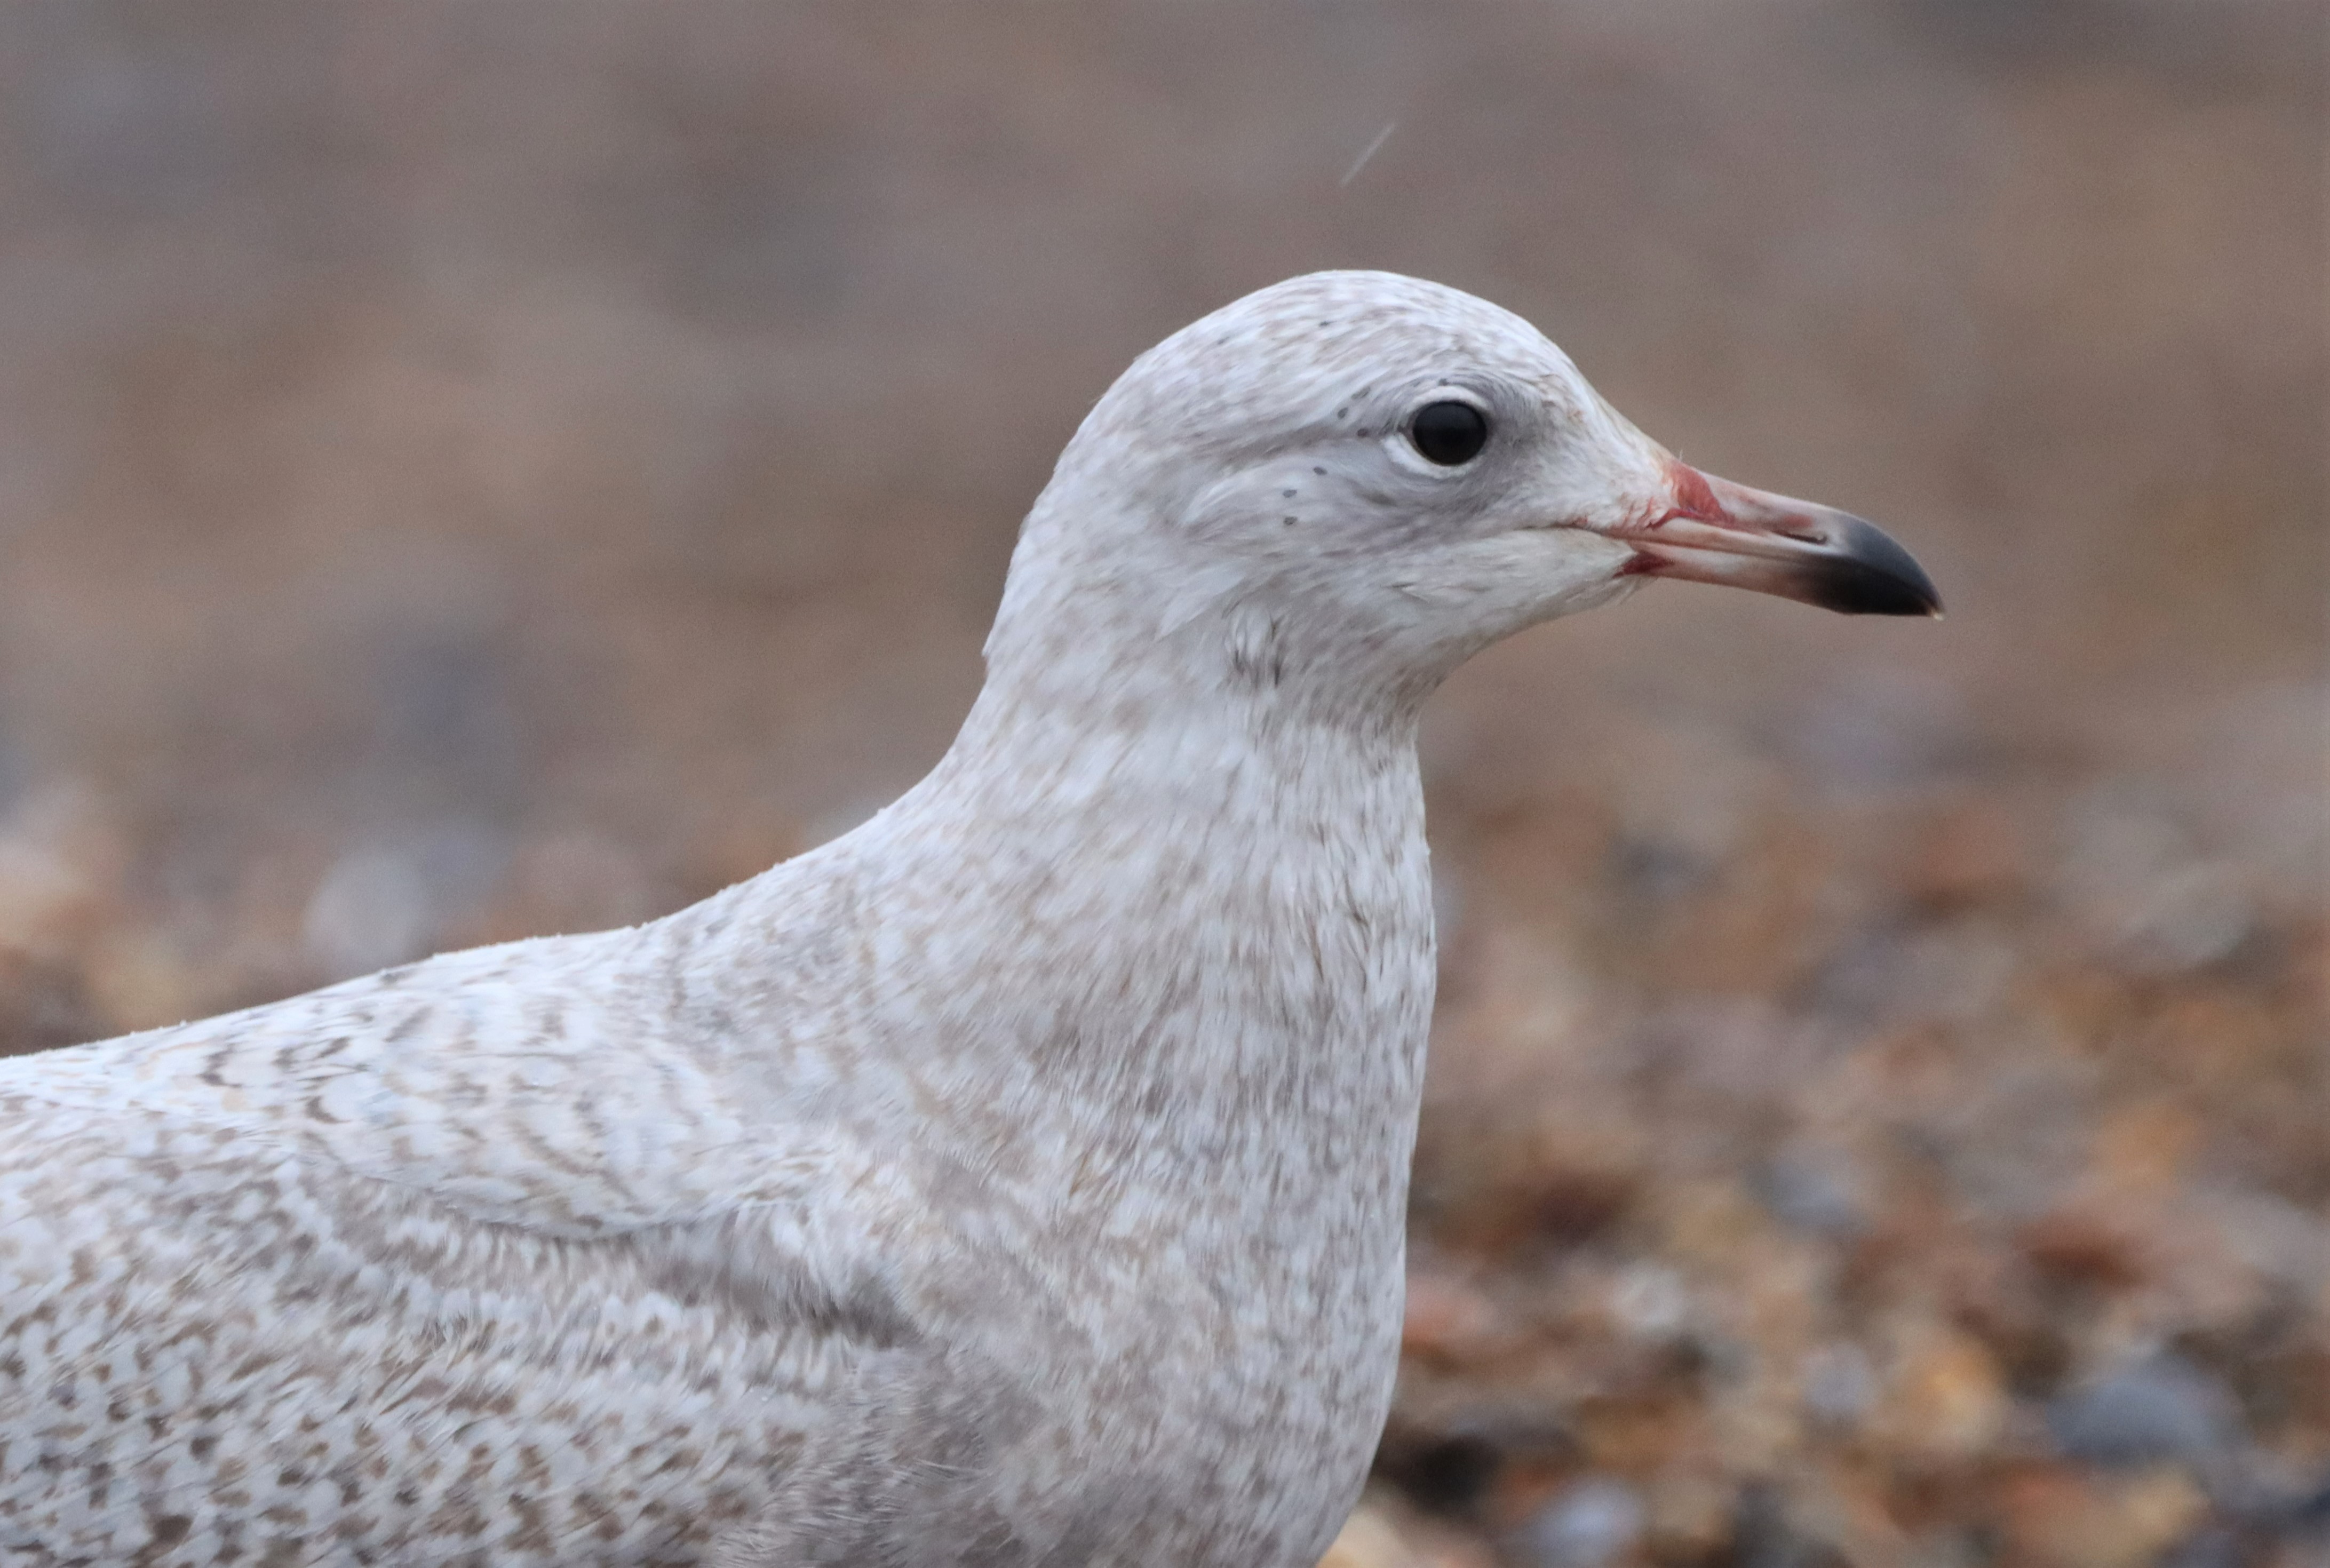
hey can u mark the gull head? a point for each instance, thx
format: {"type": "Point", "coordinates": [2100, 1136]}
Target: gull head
{"type": "Point", "coordinates": [1350, 482]}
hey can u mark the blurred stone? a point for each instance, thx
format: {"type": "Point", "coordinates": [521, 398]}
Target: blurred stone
{"type": "Point", "coordinates": [1958, 971]}
{"type": "Point", "coordinates": [2145, 1146]}
{"type": "Point", "coordinates": [1817, 1190]}
{"type": "Point", "coordinates": [1554, 1179]}
{"type": "Point", "coordinates": [2119, 835]}
{"type": "Point", "coordinates": [2276, 1239]}
{"type": "Point", "coordinates": [388, 902]}
{"type": "Point", "coordinates": [1945, 1400]}
{"type": "Point", "coordinates": [2160, 1409]}
{"type": "Point", "coordinates": [1686, 805]}
{"type": "Point", "coordinates": [1447, 1319]}
{"type": "Point", "coordinates": [852, 811]}
{"type": "Point", "coordinates": [575, 880]}
{"type": "Point", "coordinates": [63, 857]}
{"type": "Point", "coordinates": [140, 980]}
{"type": "Point", "coordinates": [1689, 1516]}
{"type": "Point", "coordinates": [1368, 1540]}
{"type": "Point", "coordinates": [2088, 1245]}
{"type": "Point", "coordinates": [2310, 1514]}
{"type": "Point", "coordinates": [745, 841]}
{"type": "Point", "coordinates": [1768, 1534]}
{"type": "Point", "coordinates": [43, 898]}
{"type": "Point", "coordinates": [1449, 1471]}
{"type": "Point", "coordinates": [42, 1004]}
{"type": "Point", "coordinates": [1649, 1300]}
{"type": "Point", "coordinates": [1847, 1512]}
{"type": "Point", "coordinates": [1714, 1228]}
{"type": "Point", "coordinates": [1973, 852]}
{"type": "Point", "coordinates": [2062, 1519]}
{"type": "Point", "coordinates": [2162, 905]}
{"type": "Point", "coordinates": [2193, 918]}
{"type": "Point", "coordinates": [372, 909]}
{"type": "Point", "coordinates": [1839, 1385]}
{"type": "Point", "coordinates": [1591, 1523]}
{"type": "Point", "coordinates": [1528, 999]}
{"type": "Point", "coordinates": [1879, 726]}
{"type": "Point", "coordinates": [2216, 1545]}
{"type": "Point", "coordinates": [1658, 870]}
{"type": "Point", "coordinates": [1380, 1534]}
{"type": "Point", "coordinates": [1647, 1423]}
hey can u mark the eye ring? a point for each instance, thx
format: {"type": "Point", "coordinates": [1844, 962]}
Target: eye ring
{"type": "Point", "coordinates": [1448, 432]}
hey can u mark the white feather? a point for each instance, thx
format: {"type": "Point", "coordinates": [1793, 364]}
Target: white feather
{"type": "Point", "coordinates": [1020, 1179]}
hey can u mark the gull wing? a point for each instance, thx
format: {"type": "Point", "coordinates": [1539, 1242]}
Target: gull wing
{"type": "Point", "coordinates": [464, 1261]}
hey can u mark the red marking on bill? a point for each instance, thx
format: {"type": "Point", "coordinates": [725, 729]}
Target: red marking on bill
{"type": "Point", "coordinates": [1693, 496]}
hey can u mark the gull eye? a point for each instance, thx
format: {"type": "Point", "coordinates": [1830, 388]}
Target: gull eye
{"type": "Point", "coordinates": [1448, 432]}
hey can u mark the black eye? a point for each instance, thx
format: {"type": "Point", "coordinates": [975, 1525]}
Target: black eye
{"type": "Point", "coordinates": [1449, 433]}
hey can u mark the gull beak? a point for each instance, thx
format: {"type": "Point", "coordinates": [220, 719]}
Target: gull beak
{"type": "Point", "coordinates": [1710, 530]}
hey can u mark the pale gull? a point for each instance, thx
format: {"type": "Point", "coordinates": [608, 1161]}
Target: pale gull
{"type": "Point", "coordinates": [1016, 1180]}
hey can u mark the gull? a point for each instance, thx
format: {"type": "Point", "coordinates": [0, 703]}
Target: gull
{"type": "Point", "coordinates": [1016, 1180]}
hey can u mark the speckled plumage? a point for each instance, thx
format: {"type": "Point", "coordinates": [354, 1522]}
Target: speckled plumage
{"type": "Point", "coordinates": [1017, 1180]}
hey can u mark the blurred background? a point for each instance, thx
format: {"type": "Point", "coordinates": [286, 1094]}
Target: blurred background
{"type": "Point", "coordinates": [469, 471]}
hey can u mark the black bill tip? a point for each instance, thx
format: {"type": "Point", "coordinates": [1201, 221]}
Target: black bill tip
{"type": "Point", "coordinates": [1864, 572]}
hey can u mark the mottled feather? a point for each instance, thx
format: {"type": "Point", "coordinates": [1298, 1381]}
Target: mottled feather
{"type": "Point", "coordinates": [1020, 1179]}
